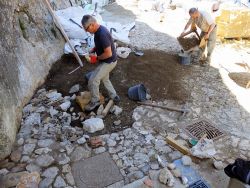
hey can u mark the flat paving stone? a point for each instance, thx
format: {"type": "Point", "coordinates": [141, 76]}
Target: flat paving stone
{"type": "Point", "coordinates": [98, 171]}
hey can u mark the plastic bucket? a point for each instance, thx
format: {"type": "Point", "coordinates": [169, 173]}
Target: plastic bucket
{"type": "Point", "coordinates": [185, 59]}
{"type": "Point", "coordinates": [137, 93]}
{"type": "Point", "coordinates": [88, 74]}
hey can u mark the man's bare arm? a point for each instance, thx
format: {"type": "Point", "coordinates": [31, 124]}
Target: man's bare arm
{"type": "Point", "coordinates": [210, 29]}
{"type": "Point", "coordinates": [106, 54]}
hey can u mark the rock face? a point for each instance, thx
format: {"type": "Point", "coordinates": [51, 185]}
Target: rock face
{"type": "Point", "coordinates": [29, 44]}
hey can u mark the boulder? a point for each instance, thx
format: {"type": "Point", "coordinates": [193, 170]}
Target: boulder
{"type": "Point", "coordinates": [29, 44]}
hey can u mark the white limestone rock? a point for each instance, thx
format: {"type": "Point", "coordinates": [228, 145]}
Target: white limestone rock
{"type": "Point", "coordinates": [186, 160]}
{"type": "Point", "coordinates": [92, 125]}
{"type": "Point", "coordinates": [166, 177]}
{"type": "Point", "coordinates": [74, 88]}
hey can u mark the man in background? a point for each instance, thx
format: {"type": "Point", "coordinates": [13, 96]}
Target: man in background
{"type": "Point", "coordinates": [208, 28]}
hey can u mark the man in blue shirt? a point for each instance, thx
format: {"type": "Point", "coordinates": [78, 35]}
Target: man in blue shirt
{"type": "Point", "coordinates": [106, 55]}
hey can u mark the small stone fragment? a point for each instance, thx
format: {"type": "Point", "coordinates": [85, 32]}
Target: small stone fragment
{"type": "Point", "coordinates": [44, 160]}
{"type": "Point", "coordinates": [45, 143]}
{"type": "Point", "coordinates": [50, 172]}
{"type": "Point", "coordinates": [20, 141]}
{"type": "Point", "coordinates": [166, 177]}
{"type": "Point", "coordinates": [111, 143]}
{"type": "Point", "coordinates": [63, 159]}
{"type": "Point", "coordinates": [42, 150]}
{"type": "Point", "coordinates": [64, 106]}
{"type": "Point", "coordinates": [116, 110]}
{"type": "Point", "coordinates": [218, 165]}
{"type": "Point", "coordinates": [80, 153]}
{"type": "Point", "coordinates": [148, 182]}
{"type": "Point", "coordinates": [184, 180]}
{"type": "Point", "coordinates": [66, 168]}
{"type": "Point", "coordinates": [171, 166]}
{"type": "Point", "coordinates": [186, 160]}
{"type": "Point", "coordinates": [45, 183]}
{"type": "Point", "coordinates": [59, 182]}
{"type": "Point", "coordinates": [177, 173]}
{"type": "Point", "coordinates": [99, 150]}
{"type": "Point", "coordinates": [81, 140]}
{"type": "Point", "coordinates": [135, 175]}
{"type": "Point", "coordinates": [95, 142]}
{"type": "Point", "coordinates": [70, 179]}
{"type": "Point", "coordinates": [33, 168]}
{"type": "Point", "coordinates": [118, 122]}
{"type": "Point", "coordinates": [3, 172]}
{"type": "Point", "coordinates": [16, 155]}
{"type": "Point", "coordinates": [74, 88]}
{"type": "Point", "coordinates": [100, 109]}
{"type": "Point", "coordinates": [71, 109]}
{"type": "Point", "coordinates": [28, 148]}
{"type": "Point", "coordinates": [154, 166]}
{"type": "Point", "coordinates": [175, 155]}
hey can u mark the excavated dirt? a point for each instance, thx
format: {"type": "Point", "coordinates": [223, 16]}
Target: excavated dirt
{"type": "Point", "coordinates": [160, 72]}
{"type": "Point", "coordinates": [240, 78]}
{"type": "Point", "coordinates": [189, 41]}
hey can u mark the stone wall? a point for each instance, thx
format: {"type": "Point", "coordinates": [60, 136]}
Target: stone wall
{"type": "Point", "coordinates": [29, 44]}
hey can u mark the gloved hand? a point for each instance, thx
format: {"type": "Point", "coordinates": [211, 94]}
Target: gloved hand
{"type": "Point", "coordinates": [93, 59]}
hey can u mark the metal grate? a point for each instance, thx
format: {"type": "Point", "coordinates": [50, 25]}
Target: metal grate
{"type": "Point", "coordinates": [202, 127]}
{"type": "Point", "coordinates": [199, 184]}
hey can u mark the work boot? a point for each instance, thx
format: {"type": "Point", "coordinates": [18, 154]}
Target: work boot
{"type": "Point", "coordinates": [92, 105]}
{"type": "Point", "coordinates": [116, 99]}
{"type": "Point", "coordinates": [204, 65]}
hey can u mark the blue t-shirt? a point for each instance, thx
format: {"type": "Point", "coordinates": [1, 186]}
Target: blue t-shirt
{"type": "Point", "coordinates": [103, 39]}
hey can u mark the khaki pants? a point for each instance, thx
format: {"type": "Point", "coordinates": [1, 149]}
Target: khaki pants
{"type": "Point", "coordinates": [101, 73]}
{"type": "Point", "coordinates": [210, 44]}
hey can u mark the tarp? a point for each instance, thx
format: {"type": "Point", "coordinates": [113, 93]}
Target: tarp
{"type": "Point", "coordinates": [70, 19]}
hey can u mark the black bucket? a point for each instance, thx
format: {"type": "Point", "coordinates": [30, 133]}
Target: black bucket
{"type": "Point", "coordinates": [137, 93]}
{"type": "Point", "coordinates": [185, 58]}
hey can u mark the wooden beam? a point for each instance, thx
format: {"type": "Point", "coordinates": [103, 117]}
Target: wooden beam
{"type": "Point", "coordinates": [107, 108]}
{"type": "Point", "coordinates": [178, 146]}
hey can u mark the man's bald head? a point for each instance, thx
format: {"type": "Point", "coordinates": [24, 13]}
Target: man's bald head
{"type": "Point", "coordinates": [194, 12]}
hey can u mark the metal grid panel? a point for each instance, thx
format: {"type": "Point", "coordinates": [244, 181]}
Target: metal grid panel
{"type": "Point", "coordinates": [199, 184]}
{"type": "Point", "coordinates": [201, 127]}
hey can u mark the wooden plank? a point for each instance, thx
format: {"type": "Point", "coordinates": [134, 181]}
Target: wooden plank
{"type": "Point", "coordinates": [56, 20]}
{"type": "Point", "coordinates": [182, 149]}
{"type": "Point", "coordinates": [107, 108]}
{"type": "Point", "coordinates": [178, 146]}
